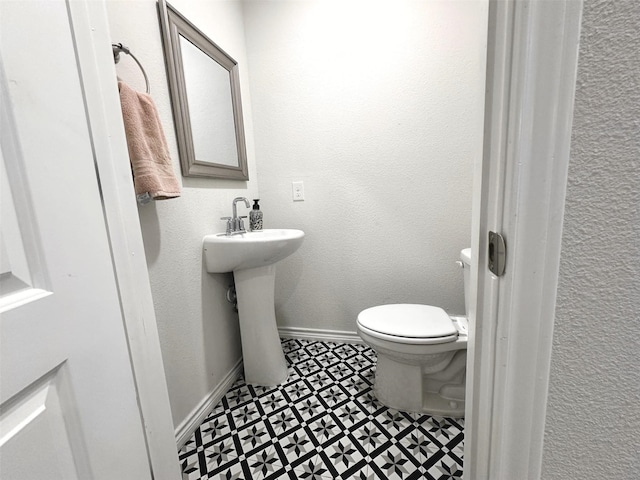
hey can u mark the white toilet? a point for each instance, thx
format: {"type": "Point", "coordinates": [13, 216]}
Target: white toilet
{"type": "Point", "coordinates": [422, 354]}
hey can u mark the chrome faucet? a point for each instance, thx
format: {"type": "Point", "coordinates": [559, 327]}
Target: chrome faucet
{"type": "Point", "coordinates": [235, 224]}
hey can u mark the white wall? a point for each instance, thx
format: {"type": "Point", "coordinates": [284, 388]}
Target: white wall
{"type": "Point", "coordinates": [198, 328]}
{"type": "Point", "coordinates": [593, 417]}
{"type": "Point", "coordinates": [378, 107]}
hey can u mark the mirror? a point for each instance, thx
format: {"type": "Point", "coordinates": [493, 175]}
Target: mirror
{"type": "Point", "coordinates": [205, 98]}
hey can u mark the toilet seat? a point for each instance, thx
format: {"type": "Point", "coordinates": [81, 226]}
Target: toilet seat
{"type": "Point", "coordinates": [408, 323]}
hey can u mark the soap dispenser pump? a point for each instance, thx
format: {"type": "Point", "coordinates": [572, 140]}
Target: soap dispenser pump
{"type": "Point", "coordinates": [255, 216]}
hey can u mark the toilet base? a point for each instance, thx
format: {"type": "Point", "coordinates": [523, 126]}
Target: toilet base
{"type": "Point", "coordinates": [436, 405]}
{"type": "Point", "coordinates": [405, 387]}
{"type": "Point", "coordinates": [398, 385]}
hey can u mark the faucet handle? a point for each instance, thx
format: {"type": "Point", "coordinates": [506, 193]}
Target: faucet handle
{"type": "Point", "coordinates": [241, 222]}
{"type": "Point", "coordinates": [228, 219]}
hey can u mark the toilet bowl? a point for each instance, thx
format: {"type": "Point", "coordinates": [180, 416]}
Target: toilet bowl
{"type": "Point", "coordinates": [422, 354]}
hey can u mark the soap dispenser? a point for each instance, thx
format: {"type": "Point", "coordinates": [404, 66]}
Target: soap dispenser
{"type": "Point", "coordinates": [255, 216]}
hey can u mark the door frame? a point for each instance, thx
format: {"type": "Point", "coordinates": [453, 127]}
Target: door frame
{"type": "Point", "coordinates": [519, 191]}
{"type": "Point", "coordinates": [111, 159]}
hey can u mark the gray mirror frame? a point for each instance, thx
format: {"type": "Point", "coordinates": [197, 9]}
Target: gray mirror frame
{"type": "Point", "coordinates": [172, 25]}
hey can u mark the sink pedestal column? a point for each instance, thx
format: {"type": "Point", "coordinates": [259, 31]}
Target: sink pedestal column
{"type": "Point", "coordinates": [264, 362]}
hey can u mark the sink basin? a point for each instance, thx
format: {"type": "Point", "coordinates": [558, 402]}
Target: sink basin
{"type": "Point", "coordinates": [252, 257]}
{"type": "Point", "coordinates": [249, 250]}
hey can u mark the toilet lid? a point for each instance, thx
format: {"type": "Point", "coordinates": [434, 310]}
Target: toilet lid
{"type": "Point", "coordinates": [409, 321]}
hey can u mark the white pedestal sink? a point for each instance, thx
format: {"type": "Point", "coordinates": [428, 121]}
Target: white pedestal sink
{"type": "Point", "coordinates": [252, 257]}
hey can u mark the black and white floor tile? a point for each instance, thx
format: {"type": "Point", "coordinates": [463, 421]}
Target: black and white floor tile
{"type": "Point", "coordinates": [322, 423]}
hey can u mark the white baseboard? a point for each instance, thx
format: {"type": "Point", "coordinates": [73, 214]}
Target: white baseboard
{"type": "Point", "coordinates": [337, 336]}
{"type": "Point", "coordinates": [196, 417]}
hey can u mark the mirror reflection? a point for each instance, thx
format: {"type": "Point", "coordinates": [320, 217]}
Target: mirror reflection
{"type": "Point", "coordinates": [207, 85]}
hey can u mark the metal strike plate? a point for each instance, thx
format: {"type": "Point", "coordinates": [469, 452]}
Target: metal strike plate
{"type": "Point", "coordinates": [497, 253]}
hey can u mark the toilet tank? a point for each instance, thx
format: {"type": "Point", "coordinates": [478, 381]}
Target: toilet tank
{"type": "Point", "coordinates": [465, 257]}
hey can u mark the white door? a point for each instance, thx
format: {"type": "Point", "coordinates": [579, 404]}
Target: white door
{"type": "Point", "coordinates": [67, 396]}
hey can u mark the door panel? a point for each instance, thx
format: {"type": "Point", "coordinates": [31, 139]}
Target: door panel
{"type": "Point", "coordinates": [41, 417]}
{"type": "Point", "coordinates": [67, 396]}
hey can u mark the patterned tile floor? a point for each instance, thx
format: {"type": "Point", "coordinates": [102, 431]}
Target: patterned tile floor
{"type": "Point", "coordinates": [322, 423]}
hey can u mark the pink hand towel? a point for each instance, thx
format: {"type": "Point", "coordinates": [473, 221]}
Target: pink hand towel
{"type": "Point", "coordinates": [148, 151]}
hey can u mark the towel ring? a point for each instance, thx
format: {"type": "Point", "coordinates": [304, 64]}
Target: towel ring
{"type": "Point", "coordinates": [117, 48]}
